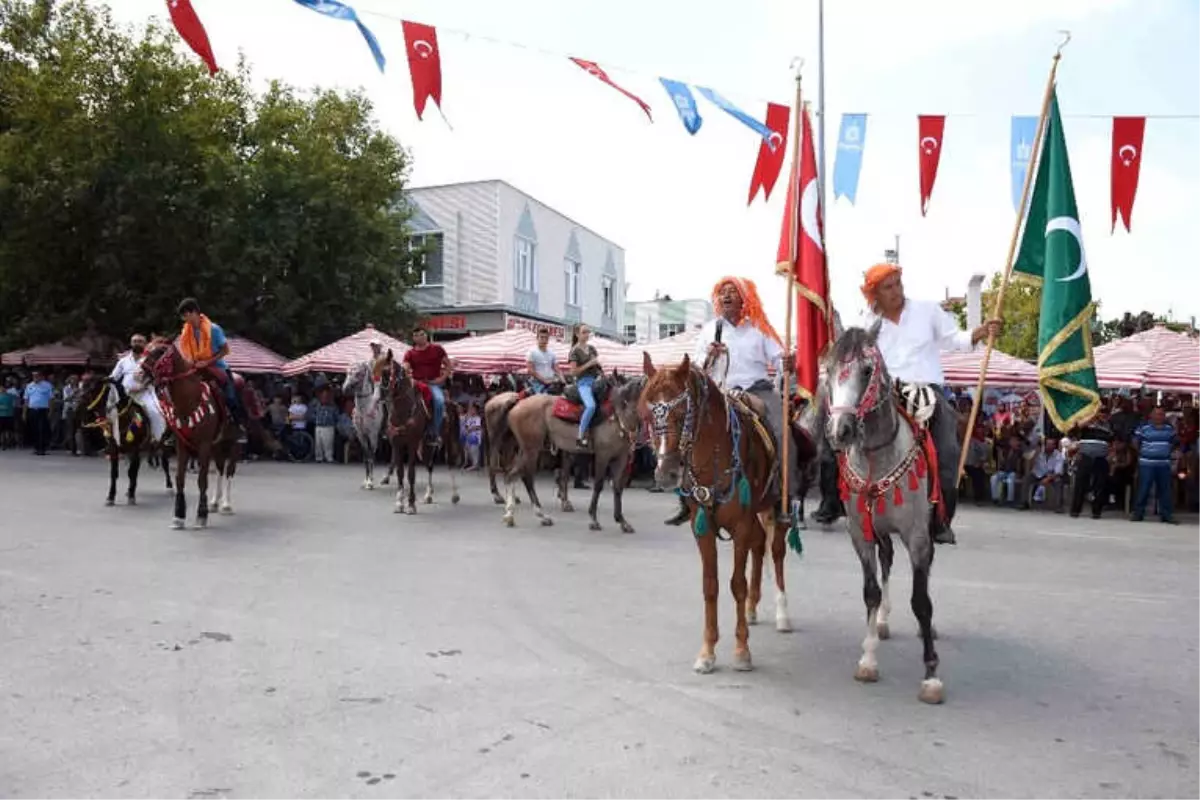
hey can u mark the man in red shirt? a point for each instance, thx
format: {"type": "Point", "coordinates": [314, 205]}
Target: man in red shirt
{"type": "Point", "coordinates": [427, 362]}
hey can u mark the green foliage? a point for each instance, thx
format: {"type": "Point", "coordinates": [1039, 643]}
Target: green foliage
{"type": "Point", "coordinates": [1022, 308]}
{"type": "Point", "coordinates": [130, 179]}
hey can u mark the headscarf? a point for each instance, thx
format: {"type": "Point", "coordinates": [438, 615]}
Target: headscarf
{"type": "Point", "coordinates": [875, 276]}
{"type": "Point", "coordinates": [752, 308]}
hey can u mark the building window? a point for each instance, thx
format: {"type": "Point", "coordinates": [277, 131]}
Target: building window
{"type": "Point", "coordinates": [427, 258]}
{"type": "Point", "coordinates": [573, 280]}
{"type": "Point", "coordinates": [524, 268]}
{"type": "Point", "coordinates": [631, 333]}
{"type": "Point", "coordinates": [608, 291]}
{"type": "Point", "coordinates": [668, 329]}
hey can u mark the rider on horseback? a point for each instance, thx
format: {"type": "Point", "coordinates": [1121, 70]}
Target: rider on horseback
{"type": "Point", "coordinates": [203, 343]}
{"type": "Point", "coordinates": [750, 344]}
{"type": "Point", "coordinates": [542, 364]}
{"type": "Point", "coordinates": [585, 366]}
{"type": "Point", "coordinates": [127, 374]}
{"type": "Point", "coordinates": [912, 335]}
{"type": "Point", "coordinates": [427, 362]}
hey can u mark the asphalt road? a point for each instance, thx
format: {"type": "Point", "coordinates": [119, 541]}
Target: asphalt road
{"type": "Point", "coordinates": [315, 644]}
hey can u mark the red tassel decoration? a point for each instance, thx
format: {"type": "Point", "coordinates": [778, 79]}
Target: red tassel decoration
{"type": "Point", "coordinates": [912, 480]}
{"type": "Point", "coordinates": [868, 529]}
{"type": "Point", "coordinates": [862, 503]}
{"type": "Point", "coordinates": [843, 489]}
{"type": "Point", "coordinates": [897, 496]}
{"type": "Point", "coordinates": [881, 505]}
{"type": "Point", "coordinates": [921, 466]}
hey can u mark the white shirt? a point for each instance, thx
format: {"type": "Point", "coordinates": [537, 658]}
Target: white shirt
{"type": "Point", "coordinates": [298, 415]}
{"type": "Point", "coordinates": [1048, 464]}
{"type": "Point", "coordinates": [750, 352]}
{"type": "Point", "coordinates": [126, 371]}
{"type": "Point", "coordinates": [543, 362]}
{"type": "Point", "coordinates": [911, 349]}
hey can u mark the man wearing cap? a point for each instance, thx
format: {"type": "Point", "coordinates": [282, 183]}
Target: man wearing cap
{"type": "Point", "coordinates": [912, 335]}
{"type": "Point", "coordinates": [128, 372]}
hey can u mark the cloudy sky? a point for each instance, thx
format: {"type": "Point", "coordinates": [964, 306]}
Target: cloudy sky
{"type": "Point", "coordinates": [677, 204]}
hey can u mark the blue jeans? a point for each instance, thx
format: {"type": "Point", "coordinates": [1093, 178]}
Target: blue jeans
{"type": "Point", "coordinates": [1158, 476]}
{"type": "Point", "coordinates": [589, 404]}
{"type": "Point", "coordinates": [439, 407]}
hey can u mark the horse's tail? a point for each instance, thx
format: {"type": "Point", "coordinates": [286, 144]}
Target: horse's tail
{"type": "Point", "coordinates": [495, 426]}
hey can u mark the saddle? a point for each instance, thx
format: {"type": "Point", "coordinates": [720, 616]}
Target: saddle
{"type": "Point", "coordinates": [600, 390]}
{"type": "Point", "coordinates": [217, 378]}
{"type": "Point", "coordinates": [569, 406]}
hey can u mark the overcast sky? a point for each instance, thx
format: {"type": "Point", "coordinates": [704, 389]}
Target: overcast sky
{"type": "Point", "coordinates": [677, 203]}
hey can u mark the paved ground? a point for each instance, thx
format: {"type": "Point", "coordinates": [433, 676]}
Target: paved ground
{"type": "Point", "coordinates": [317, 645]}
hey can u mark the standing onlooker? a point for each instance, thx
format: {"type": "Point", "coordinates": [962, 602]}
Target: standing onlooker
{"type": "Point", "coordinates": [297, 413]}
{"type": "Point", "coordinates": [38, 395]}
{"type": "Point", "coordinates": [1009, 460]}
{"type": "Point", "coordinates": [8, 416]}
{"type": "Point", "coordinates": [325, 417]}
{"type": "Point", "coordinates": [277, 412]}
{"type": "Point", "coordinates": [1155, 441]}
{"type": "Point", "coordinates": [70, 402]}
{"type": "Point", "coordinates": [472, 436]}
{"type": "Point", "coordinates": [1091, 466]}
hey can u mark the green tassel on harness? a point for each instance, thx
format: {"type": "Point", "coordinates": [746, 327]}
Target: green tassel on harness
{"type": "Point", "coordinates": [700, 526]}
{"type": "Point", "coordinates": [744, 491]}
{"type": "Point", "coordinates": [794, 541]}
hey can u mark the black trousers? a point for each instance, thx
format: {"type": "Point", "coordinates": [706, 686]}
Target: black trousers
{"type": "Point", "coordinates": [1091, 474]}
{"type": "Point", "coordinates": [39, 428]}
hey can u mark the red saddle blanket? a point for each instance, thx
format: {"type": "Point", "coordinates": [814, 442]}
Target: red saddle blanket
{"type": "Point", "coordinates": [425, 392]}
{"type": "Point", "coordinates": [567, 411]}
{"type": "Point", "coordinates": [249, 397]}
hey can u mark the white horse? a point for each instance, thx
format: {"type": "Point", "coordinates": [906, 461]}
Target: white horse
{"type": "Point", "coordinates": [368, 417]}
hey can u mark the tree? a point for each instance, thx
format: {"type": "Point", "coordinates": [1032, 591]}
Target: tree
{"type": "Point", "coordinates": [1022, 308]}
{"type": "Point", "coordinates": [130, 179]}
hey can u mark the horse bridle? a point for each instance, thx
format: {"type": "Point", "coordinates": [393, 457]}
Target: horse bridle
{"type": "Point", "coordinates": [872, 397]}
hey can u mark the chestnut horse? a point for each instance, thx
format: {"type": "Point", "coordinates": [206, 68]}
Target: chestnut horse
{"type": "Point", "coordinates": [727, 462]}
{"type": "Point", "coordinates": [408, 419]}
{"type": "Point", "coordinates": [203, 428]}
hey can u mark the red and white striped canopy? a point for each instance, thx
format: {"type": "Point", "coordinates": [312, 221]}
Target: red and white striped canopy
{"type": "Point", "coordinates": [624, 359]}
{"type": "Point", "coordinates": [505, 351]}
{"type": "Point", "coordinates": [338, 357]}
{"type": "Point", "coordinates": [672, 350]}
{"type": "Point", "coordinates": [962, 369]}
{"type": "Point", "coordinates": [250, 357]}
{"type": "Point", "coordinates": [1157, 359]}
{"type": "Point", "coordinates": [49, 355]}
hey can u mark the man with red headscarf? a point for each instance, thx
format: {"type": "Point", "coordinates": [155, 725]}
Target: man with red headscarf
{"type": "Point", "coordinates": [743, 336]}
{"type": "Point", "coordinates": [912, 335]}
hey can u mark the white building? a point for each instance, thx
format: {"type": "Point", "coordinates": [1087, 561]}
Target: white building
{"type": "Point", "coordinates": [501, 259]}
{"type": "Point", "coordinates": [662, 318]}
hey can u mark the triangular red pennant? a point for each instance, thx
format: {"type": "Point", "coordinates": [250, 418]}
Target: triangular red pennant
{"type": "Point", "coordinates": [424, 64]}
{"type": "Point", "coordinates": [1127, 133]}
{"type": "Point", "coordinates": [770, 162]}
{"type": "Point", "coordinates": [191, 30]}
{"type": "Point", "coordinates": [595, 70]}
{"type": "Point", "coordinates": [930, 130]}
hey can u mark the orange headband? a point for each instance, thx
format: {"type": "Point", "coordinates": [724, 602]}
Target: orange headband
{"type": "Point", "coordinates": [751, 304]}
{"type": "Point", "coordinates": [875, 276]}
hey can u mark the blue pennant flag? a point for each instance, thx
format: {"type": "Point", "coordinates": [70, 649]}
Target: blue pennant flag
{"type": "Point", "coordinates": [1024, 130]}
{"type": "Point", "coordinates": [339, 10]}
{"type": "Point", "coordinates": [741, 116]}
{"type": "Point", "coordinates": [685, 104]}
{"type": "Point", "coordinates": [852, 137]}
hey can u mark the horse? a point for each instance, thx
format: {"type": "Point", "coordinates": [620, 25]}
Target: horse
{"type": "Point", "coordinates": [498, 444]}
{"type": "Point", "coordinates": [884, 463]}
{"type": "Point", "coordinates": [409, 413]}
{"type": "Point", "coordinates": [369, 414]}
{"type": "Point", "coordinates": [196, 413]}
{"type": "Point", "coordinates": [727, 459]}
{"type": "Point", "coordinates": [131, 437]}
{"type": "Point", "coordinates": [532, 420]}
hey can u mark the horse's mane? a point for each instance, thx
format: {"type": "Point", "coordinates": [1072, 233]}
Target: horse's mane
{"type": "Point", "coordinates": [850, 343]}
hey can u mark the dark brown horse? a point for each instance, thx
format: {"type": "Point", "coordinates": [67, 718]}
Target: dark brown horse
{"type": "Point", "coordinates": [409, 414]}
{"type": "Point", "coordinates": [130, 439]}
{"type": "Point", "coordinates": [726, 460]}
{"type": "Point", "coordinates": [195, 411]}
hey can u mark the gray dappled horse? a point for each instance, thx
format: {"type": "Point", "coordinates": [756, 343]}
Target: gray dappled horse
{"type": "Point", "coordinates": [884, 476]}
{"type": "Point", "coordinates": [369, 414]}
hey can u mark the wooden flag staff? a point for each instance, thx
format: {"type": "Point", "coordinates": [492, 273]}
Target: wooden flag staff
{"type": "Point", "coordinates": [793, 257]}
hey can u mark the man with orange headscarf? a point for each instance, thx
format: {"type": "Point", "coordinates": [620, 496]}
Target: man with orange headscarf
{"type": "Point", "coordinates": [742, 334]}
{"type": "Point", "coordinates": [912, 336]}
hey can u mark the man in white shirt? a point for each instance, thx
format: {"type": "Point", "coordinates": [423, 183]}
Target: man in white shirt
{"type": "Point", "coordinates": [1047, 471]}
{"type": "Point", "coordinates": [542, 364]}
{"type": "Point", "coordinates": [747, 346]}
{"type": "Point", "coordinates": [128, 373]}
{"type": "Point", "coordinates": [912, 335]}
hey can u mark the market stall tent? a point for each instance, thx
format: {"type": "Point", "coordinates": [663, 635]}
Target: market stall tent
{"type": "Point", "coordinates": [338, 356]}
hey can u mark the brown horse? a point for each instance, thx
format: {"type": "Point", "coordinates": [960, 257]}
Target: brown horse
{"type": "Point", "coordinates": [519, 428]}
{"type": "Point", "coordinates": [196, 413]}
{"type": "Point", "coordinates": [727, 461]}
{"type": "Point", "coordinates": [409, 415]}
{"type": "Point", "coordinates": [131, 438]}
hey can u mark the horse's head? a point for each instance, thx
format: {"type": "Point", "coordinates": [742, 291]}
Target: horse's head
{"type": "Point", "coordinates": [360, 379]}
{"type": "Point", "coordinates": [670, 399]}
{"type": "Point", "coordinates": [626, 399]}
{"type": "Point", "coordinates": [92, 391]}
{"type": "Point", "coordinates": [856, 385]}
{"type": "Point", "coordinates": [162, 361]}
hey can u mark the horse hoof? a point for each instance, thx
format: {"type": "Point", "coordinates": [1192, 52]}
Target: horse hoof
{"type": "Point", "coordinates": [883, 631]}
{"type": "Point", "coordinates": [226, 509]}
{"type": "Point", "coordinates": [497, 499]}
{"type": "Point", "coordinates": [177, 524]}
{"type": "Point", "coordinates": [783, 625]}
{"type": "Point", "coordinates": [131, 501]}
{"type": "Point", "coordinates": [567, 507]}
{"type": "Point", "coordinates": [454, 498]}
{"type": "Point", "coordinates": [398, 509]}
{"type": "Point", "coordinates": [627, 528]}
{"type": "Point", "coordinates": [751, 616]}
{"type": "Point", "coordinates": [412, 509]}
{"type": "Point", "coordinates": [594, 526]}
{"type": "Point", "coordinates": [704, 665]}
{"type": "Point", "coordinates": [201, 523]}
{"type": "Point", "coordinates": [385, 482]}
{"type": "Point", "coordinates": [428, 500]}
{"type": "Point", "coordinates": [932, 692]}
{"type": "Point", "coordinates": [110, 502]}
{"type": "Point", "coordinates": [509, 522]}
{"type": "Point", "coordinates": [742, 661]}
{"type": "Point", "coordinates": [547, 522]}
{"type": "Point", "coordinates": [866, 674]}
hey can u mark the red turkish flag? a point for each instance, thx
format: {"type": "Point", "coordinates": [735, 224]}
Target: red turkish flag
{"type": "Point", "coordinates": [191, 30]}
{"type": "Point", "coordinates": [929, 149]}
{"type": "Point", "coordinates": [594, 69]}
{"type": "Point", "coordinates": [802, 252]}
{"type": "Point", "coordinates": [1126, 166]}
{"type": "Point", "coordinates": [424, 64]}
{"type": "Point", "coordinates": [770, 162]}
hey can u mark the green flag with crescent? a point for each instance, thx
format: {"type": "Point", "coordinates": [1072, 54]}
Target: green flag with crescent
{"type": "Point", "coordinates": [1052, 253]}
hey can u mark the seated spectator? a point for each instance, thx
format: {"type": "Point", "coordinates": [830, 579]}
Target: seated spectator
{"type": "Point", "coordinates": [1045, 476]}
{"type": "Point", "coordinates": [976, 467]}
{"type": "Point", "coordinates": [1010, 461]}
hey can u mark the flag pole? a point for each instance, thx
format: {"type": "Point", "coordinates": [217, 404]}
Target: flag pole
{"type": "Point", "coordinates": [793, 257]}
{"type": "Point", "coordinates": [998, 306]}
